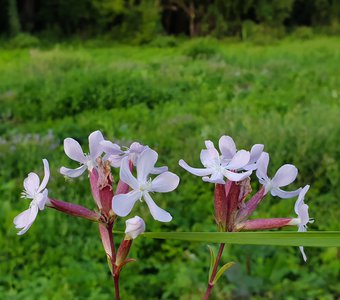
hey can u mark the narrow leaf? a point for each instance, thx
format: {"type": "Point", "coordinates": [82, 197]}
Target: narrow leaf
{"type": "Point", "coordinates": [212, 260]}
{"type": "Point", "coordinates": [222, 270]}
{"type": "Point", "coordinates": [282, 238]}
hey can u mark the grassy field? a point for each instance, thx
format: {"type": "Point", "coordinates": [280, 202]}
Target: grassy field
{"type": "Point", "coordinates": [286, 96]}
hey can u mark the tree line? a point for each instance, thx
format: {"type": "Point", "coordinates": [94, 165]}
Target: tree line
{"type": "Point", "coordinates": [145, 18]}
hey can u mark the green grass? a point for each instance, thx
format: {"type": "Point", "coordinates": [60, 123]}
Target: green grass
{"type": "Point", "coordinates": [284, 95]}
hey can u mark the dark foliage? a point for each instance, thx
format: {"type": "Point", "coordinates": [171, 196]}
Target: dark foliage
{"type": "Point", "coordinates": [141, 20]}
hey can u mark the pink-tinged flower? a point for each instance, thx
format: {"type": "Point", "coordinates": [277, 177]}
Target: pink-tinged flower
{"type": "Point", "coordinates": [122, 204]}
{"type": "Point", "coordinates": [219, 166]}
{"type": "Point", "coordinates": [88, 161]}
{"type": "Point", "coordinates": [284, 176]}
{"type": "Point", "coordinates": [301, 209]}
{"type": "Point", "coordinates": [38, 193]}
{"type": "Point", "coordinates": [134, 227]}
{"type": "Point", "coordinates": [115, 154]}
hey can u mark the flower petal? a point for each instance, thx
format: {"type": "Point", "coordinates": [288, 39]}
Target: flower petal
{"type": "Point", "coordinates": [304, 256]}
{"type": "Point", "coordinates": [158, 213]}
{"type": "Point", "coordinates": [255, 153]}
{"type": "Point", "coordinates": [227, 147]}
{"type": "Point", "coordinates": [31, 184]}
{"type": "Point", "coordinates": [232, 176]}
{"type": "Point", "coordinates": [41, 199]}
{"type": "Point", "coordinates": [209, 157]}
{"type": "Point", "coordinates": [146, 163]}
{"type": "Point", "coordinates": [262, 166]}
{"type": "Point", "coordinates": [122, 204]}
{"type": "Point", "coordinates": [159, 170]}
{"type": "Point", "coordinates": [283, 194]}
{"type": "Point", "coordinates": [209, 144]}
{"type": "Point", "coordinates": [46, 175]}
{"type": "Point", "coordinates": [285, 175]}
{"type": "Point", "coordinates": [74, 151]}
{"type": "Point", "coordinates": [240, 159]}
{"type": "Point", "coordinates": [300, 200]}
{"type": "Point", "coordinates": [303, 214]}
{"type": "Point", "coordinates": [110, 148]}
{"type": "Point", "coordinates": [216, 177]}
{"type": "Point", "coordinates": [20, 220]}
{"type": "Point", "coordinates": [138, 148]}
{"type": "Point", "coordinates": [73, 173]}
{"type": "Point", "coordinates": [126, 175]}
{"type": "Point", "coordinates": [26, 219]}
{"type": "Point", "coordinates": [165, 182]}
{"type": "Point", "coordinates": [302, 229]}
{"type": "Point", "coordinates": [94, 144]}
{"type": "Point", "coordinates": [116, 160]}
{"type": "Point", "coordinates": [195, 171]}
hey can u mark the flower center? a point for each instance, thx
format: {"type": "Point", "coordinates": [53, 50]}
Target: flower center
{"type": "Point", "coordinates": [90, 163]}
{"type": "Point", "coordinates": [146, 186]}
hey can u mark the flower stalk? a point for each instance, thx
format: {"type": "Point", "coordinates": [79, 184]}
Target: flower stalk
{"type": "Point", "coordinates": [211, 283]}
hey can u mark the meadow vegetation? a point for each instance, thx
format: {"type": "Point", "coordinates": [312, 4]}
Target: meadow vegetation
{"type": "Point", "coordinates": [171, 95]}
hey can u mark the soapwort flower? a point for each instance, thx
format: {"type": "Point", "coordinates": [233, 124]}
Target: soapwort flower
{"type": "Point", "coordinates": [285, 175]}
{"type": "Point", "coordinates": [219, 166]}
{"type": "Point", "coordinates": [36, 191]}
{"type": "Point", "coordinates": [301, 209]}
{"type": "Point", "coordinates": [88, 161]}
{"type": "Point", "coordinates": [228, 149]}
{"type": "Point", "coordinates": [115, 154]}
{"type": "Point", "coordinates": [143, 185]}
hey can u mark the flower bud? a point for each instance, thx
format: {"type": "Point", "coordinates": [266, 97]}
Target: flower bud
{"type": "Point", "coordinates": [134, 227]}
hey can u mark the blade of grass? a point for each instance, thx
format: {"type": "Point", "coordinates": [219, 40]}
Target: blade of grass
{"type": "Point", "coordinates": [309, 239]}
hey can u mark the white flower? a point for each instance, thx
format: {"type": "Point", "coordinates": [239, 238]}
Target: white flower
{"type": "Point", "coordinates": [228, 149]}
{"type": "Point", "coordinates": [122, 204]}
{"type": "Point", "coordinates": [301, 209]}
{"type": "Point", "coordinates": [285, 175]}
{"type": "Point", "coordinates": [220, 166]}
{"type": "Point", "coordinates": [88, 161]}
{"type": "Point", "coordinates": [39, 195]}
{"type": "Point", "coordinates": [134, 227]}
{"type": "Point", "coordinates": [115, 154]}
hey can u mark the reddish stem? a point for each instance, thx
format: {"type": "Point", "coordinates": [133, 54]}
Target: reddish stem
{"type": "Point", "coordinates": [116, 281]}
{"type": "Point", "coordinates": [74, 210]}
{"type": "Point", "coordinates": [213, 274]}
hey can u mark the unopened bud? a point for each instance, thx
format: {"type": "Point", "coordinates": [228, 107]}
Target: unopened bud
{"type": "Point", "coordinates": [134, 227]}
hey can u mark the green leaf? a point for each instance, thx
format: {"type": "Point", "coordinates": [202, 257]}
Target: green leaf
{"type": "Point", "coordinates": [222, 270]}
{"type": "Point", "coordinates": [309, 239]}
{"type": "Point", "coordinates": [212, 260]}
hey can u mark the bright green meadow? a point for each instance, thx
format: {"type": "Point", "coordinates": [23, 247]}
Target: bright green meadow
{"type": "Point", "coordinates": [171, 95]}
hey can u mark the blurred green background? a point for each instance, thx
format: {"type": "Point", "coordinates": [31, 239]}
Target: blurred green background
{"type": "Point", "coordinates": [259, 71]}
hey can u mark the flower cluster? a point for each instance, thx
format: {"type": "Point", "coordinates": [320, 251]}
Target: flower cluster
{"type": "Point", "coordinates": [140, 156]}
{"type": "Point", "coordinates": [111, 203]}
{"type": "Point", "coordinates": [230, 171]}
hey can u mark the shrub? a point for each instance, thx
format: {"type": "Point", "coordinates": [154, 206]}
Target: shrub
{"type": "Point", "coordinates": [202, 48]}
{"type": "Point", "coordinates": [164, 42]}
{"type": "Point", "coordinates": [23, 40]}
{"type": "Point", "coordinates": [303, 33]}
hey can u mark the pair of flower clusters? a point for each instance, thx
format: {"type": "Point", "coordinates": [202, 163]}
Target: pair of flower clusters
{"type": "Point", "coordinates": [231, 208]}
